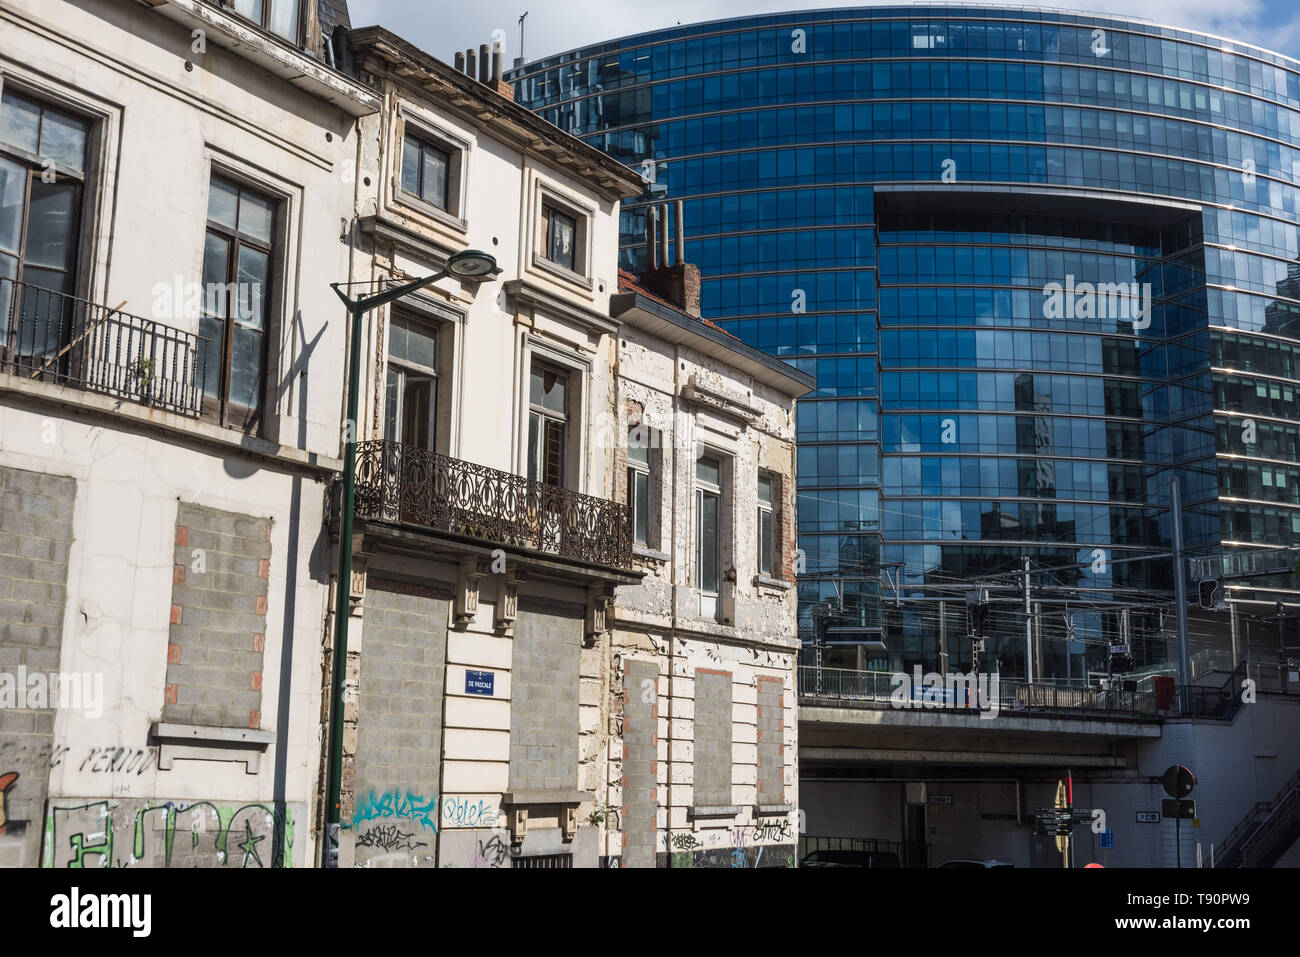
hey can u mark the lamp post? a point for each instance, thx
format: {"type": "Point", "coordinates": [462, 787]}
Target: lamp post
{"type": "Point", "coordinates": [467, 264]}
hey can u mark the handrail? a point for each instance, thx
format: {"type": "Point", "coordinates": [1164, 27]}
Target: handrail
{"type": "Point", "coordinates": [52, 336]}
{"type": "Point", "coordinates": [405, 484]}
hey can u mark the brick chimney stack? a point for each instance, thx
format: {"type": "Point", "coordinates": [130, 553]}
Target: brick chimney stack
{"type": "Point", "coordinates": [680, 282]}
{"type": "Point", "coordinates": [485, 67]}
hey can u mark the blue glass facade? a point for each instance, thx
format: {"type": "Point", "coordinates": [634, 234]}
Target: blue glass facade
{"type": "Point", "coordinates": [1039, 264]}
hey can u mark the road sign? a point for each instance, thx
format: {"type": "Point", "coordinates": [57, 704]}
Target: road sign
{"type": "Point", "coordinates": [479, 682]}
{"type": "Point", "coordinates": [1182, 810]}
{"type": "Point", "coordinates": [1119, 649]}
{"type": "Point", "coordinates": [1179, 781]}
{"type": "Point", "coordinates": [1148, 817]}
{"type": "Point", "coordinates": [1108, 838]}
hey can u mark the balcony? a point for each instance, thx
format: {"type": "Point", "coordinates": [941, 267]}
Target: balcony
{"type": "Point", "coordinates": [402, 484]}
{"type": "Point", "coordinates": [49, 336]}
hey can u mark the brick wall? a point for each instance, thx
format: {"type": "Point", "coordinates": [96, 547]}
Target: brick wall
{"type": "Point", "coordinates": [221, 567]}
{"type": "Point", "coordinates": [771, 741]}
{"type": "Point", "coordinates": [544, 700]}
{"type": "Point", "coordinates": [713, 738]}
{"type": "Point", "coordinates": [35, 535]}
{"type": "Point", "coordinates": [640, 751]}
{"type": "Point", "coordinates": [399, 725]}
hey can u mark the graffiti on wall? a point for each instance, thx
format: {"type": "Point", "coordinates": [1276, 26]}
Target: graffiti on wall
{"type": "Point", "coordinates": [125, 833]}
{"type": "Point", "coordinates": [469, 812]}
{"type": "Point", "coordinates": [9, 826]}
{"type": "Point", "coordinates": [396, 805]}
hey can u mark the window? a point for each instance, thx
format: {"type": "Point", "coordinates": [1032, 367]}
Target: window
{"type": "Point", "coordinates": [766, 527]}
{"type": "Point", "coordinates": [708, 523]}
{"type": "Point", "coordinates": [548, 423]}
{"type": "Point", "coordinates": [638, 482]}
{"type": "Point", "coordinates": [426, 171]}
{"type": "Point", "coordinates": [560, 231]}
{"type": "Point", "coordinates": [43, 154]}
{"type": "Point", "coordinates": [411, 401]}
{"type": "Point", "coordinates": [279, 16]}
{"type": "Point", "coordinates": [238, 256]}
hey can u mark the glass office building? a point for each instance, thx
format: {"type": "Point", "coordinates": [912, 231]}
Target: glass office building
{"type": "Point", "coordinates": [1040, 265]}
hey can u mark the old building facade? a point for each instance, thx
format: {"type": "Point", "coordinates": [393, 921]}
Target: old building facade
{"type": "Point", "coordinates": [174, 180]}
{"type": "Point", "coordinates": [546, 667]}
{"type": "Point", "coordinates": [487, 546]}
{"type": "Point", "coordinates": [703, 767]}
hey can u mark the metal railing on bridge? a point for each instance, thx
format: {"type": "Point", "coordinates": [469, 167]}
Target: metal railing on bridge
{"type": "Point", "coordinates": [1013, 696]}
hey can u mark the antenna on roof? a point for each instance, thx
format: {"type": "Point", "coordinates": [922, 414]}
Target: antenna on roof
{"type": "Point", "coordinates": [521, 33]}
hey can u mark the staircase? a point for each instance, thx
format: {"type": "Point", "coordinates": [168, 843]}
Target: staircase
{"type": "Point", "coordinates": [1266, 831]}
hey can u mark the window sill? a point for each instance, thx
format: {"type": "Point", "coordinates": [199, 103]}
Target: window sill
{"type": "Point", "coordinates": [563, 272]}
{"type": "Point", "coordinates": [712, 810]}
{"type": "Point", "coordinates": [641, 551]}
{"type": "Point", "coordinates": [766, 810]}
{"type": "Point", "coordinates": [124, 414]}
{"type": "Point", "coordinates": [204, 743]}
{"type": "Point", "coordinates": [775, 584]}
{"type": "Point", "coordinates": [414, 204]}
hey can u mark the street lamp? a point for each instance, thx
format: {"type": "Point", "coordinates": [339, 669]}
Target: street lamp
{"type": "Point", "coordinates": [468, 264]}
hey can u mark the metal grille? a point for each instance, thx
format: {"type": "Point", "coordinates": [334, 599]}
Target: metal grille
{"type": "Point", "coordinates": [564, 861]}
{"type": "Point", "coordinates": [402, 483]}
{"type": "Point", "coordinates": [54, 337]}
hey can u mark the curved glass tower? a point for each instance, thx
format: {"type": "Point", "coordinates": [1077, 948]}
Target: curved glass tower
{"type": "Point", "coordinates": [1040, 265]}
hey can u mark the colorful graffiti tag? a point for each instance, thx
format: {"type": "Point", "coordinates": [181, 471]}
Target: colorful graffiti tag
{"type": "Point", "coordinates": [126, 833]}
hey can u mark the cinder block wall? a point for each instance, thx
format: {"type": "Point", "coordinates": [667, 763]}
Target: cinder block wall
{"type": "Point", "coordinates": [544, 700]}
{"type": "Point", "coordinates": [639, 812]}
{"type": "Point", "coordinates": [399, 726]}
{"type": "Point", "coordinates": [35, 535]}
{"type": "Point", "coordinates": [222, 564]}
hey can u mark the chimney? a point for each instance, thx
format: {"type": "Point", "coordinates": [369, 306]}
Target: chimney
{"type": "Point", "coordinates": [679, 283]}
{"type": "Point", "coordinates": [485, 67]}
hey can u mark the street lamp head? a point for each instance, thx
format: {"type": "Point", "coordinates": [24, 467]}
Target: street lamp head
{"type": "Point", "coordinates": [470, 264]}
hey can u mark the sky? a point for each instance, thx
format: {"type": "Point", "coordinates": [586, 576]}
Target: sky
{"type": "Point", "coordinates": [441, 27]}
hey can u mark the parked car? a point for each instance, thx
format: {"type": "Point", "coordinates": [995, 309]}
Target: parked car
{"type": "Point", "coordinates": [846, 858]}
{"type": "Point", "coordinates": [991, 862]}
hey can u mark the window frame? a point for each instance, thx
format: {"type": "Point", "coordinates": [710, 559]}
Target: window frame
{"type": "Point", "coordinates": [404, 368]}
{"type": "Point", "coordinates": [265, 22]}
{"type": "Point", "coordinates": [551, 201]}
{"type": "Point", "coordinates": [255, 424]}
{"type": "Point", "coordinates": [642, 472]}
{"type": "Point", "coordinates": [768, 510]}
{"type": "Point", "coordinates": [536, 457]}
{"type": "Point", "coordinates": [704, 489]}
{"type": "Point", "coordinates": [457, 150]}
{"type": "Point", "coordinates": [84, 181]}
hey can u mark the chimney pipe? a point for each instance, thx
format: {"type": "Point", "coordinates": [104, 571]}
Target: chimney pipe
{"type": "Point", "coordinates": [496, 63]}
{"type": "Point", "coordinates": [471, 63]}
{"type": "Point", "coordinates": [652, 234]}
{"type": "Point", "coordinates": [484, 62]}
{"type": "Point", "coordinates": [663, 232]}
{"type": "Point", "coordinates": [680, 230]}
{"type": "Point", "coordinates": [460, 61]}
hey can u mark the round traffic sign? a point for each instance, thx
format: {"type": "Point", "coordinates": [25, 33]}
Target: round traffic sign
{"type": "Point", "coordinates": [1179, 781]}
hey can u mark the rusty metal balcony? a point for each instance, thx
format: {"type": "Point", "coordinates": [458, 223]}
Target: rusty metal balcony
{"type": "Point", "coordinates": [403, 484]}
{"type": "Point", "coordinates": [49, 336]}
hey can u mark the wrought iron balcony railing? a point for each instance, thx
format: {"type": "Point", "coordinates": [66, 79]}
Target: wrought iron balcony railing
{"type": "Point", "coordinates": [402, 483]}
{"type": "Point", "coordinates": [53, 337]}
